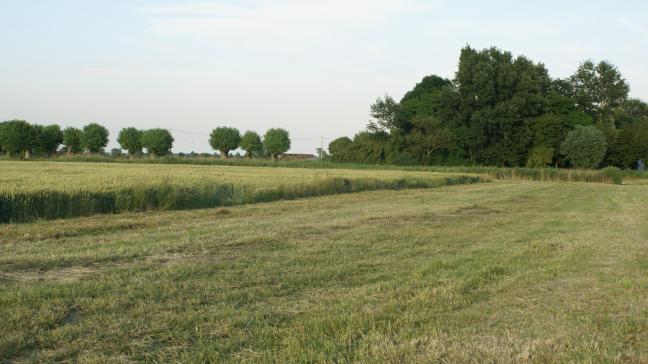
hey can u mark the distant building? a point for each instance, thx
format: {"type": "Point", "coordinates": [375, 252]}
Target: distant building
{"type": "Point", "coordinates": [293, 156]}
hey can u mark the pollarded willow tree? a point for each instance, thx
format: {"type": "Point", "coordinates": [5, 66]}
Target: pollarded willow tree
{"type": "Point", "coordinates": [224, 139]}
{"type": "Point", "coordinates": [72, 140]}
{"type": "Point", "coordinates": [276, 141]}
{"type": "Point", "coordinates": [49, 139]}
{"type": "Point", "coordinates": [158, 142]}
{"type": "Point", "coordinates": [251, 143]}
{"type": "Point", "coordinates": [18, 137]}
{"type": "Point", "coordinates": [94, 137]}
{"type": "Point", "coordinates": [130, 140]}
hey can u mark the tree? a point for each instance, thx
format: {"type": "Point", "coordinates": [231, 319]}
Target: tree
{"type": "Point", "coordinates": [251, 144]}
{"type": "Point", "coordinates": [276, 141]}
{"type": "Point", "coordinates": [18, 138]}
{"type": "Point", "coordinates": [49, 139]}
{"type": "Point", "coordinates": [130, 139]}
{"type": "Point", "coordinates": [72, 140]}
{"type": "Point", "coordinates": [631, 145]}
{"type": "Point", "coordinates": [158, 142]}
{"type": "Point", "coordinates": [94, 137]}
{"type": "Point", "coordinates": [385, 113]}
{"type": "Point", "coordinates": [428, 135]}
{"type": "Point", "coordinates": [498, 95]}
{"type": "Point", "coordinates": [341, 150]}
{"type": "Point", "coordinates": [224, 139]}
{"type": "Point", "coordinates": [598, 89]}
{"type": "Point", "coordinates": [2, 125]}
{"type": "Point", "coordinates": [584, 147]}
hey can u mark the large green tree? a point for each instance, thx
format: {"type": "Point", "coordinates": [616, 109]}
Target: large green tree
{"type": "Point", "coordinates": [599, 89]}
{"type": "Point", "coordinates": [428, 135]}
{"type": "Point", "coordinates": [49, 139]}
{"type": "Point", "coordinates": [251, 143]}
{"type": "Point", "coordinates": [584, 147]}
{"type": "Point", "coordinates": [341, 150]}
{"type": "Point", "coordinates": [276, 141]}
{"type": "Point", "coordinates": [630, 145]}
{"type": "Point", "coordinates": [18, 138]}
{"type": "Point", "coordinates": [498, 96]}
{"type": "Point", "coordinates": [158, 142]}
{"type": "Point", "coordinates": [94, 137]}
{"type": "Point", "coordinates": [130, 139]}
{"type": "Point", "coordinates": [72, 140]}
{"type": "Point", "coordinates": [224, 139]}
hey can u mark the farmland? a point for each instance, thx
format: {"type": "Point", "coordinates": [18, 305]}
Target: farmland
{"type": "Point", "coordinates": [49, 190]}
{"type": "Point", "coordinates": [494, 272]}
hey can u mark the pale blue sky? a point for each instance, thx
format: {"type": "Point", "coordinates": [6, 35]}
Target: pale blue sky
{"type": "Point", "coordinates": [312, 67]}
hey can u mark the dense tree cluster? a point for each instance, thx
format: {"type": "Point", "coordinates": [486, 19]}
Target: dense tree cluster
{"type": "Point", "coordinates": [506, 111]}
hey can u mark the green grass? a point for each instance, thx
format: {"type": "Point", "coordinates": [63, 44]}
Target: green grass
{"type": "Point", "coordinates": [497, 272]}
{"type": "Point", "coordinates": [46, 190]}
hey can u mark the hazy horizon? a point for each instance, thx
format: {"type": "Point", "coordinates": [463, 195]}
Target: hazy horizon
{"type": "Point", "coordinates": [312, 68]}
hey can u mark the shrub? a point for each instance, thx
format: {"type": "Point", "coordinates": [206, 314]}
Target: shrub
{"type": "Point", "coordinates": [540, 157]}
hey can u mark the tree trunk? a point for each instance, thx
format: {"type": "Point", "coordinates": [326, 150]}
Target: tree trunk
{"type": "Point", "coordinates": [26, 154]}
{"type": "Point", "coordinates": [223, 154]}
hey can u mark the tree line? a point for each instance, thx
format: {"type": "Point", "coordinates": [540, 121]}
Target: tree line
{"type": "Point", "coordinates": [501, 110]}
{"type": "Point", "coordinates": [20, 139]}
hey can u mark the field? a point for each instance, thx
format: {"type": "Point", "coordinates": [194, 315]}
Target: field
{"type": "Point", "coordinates": [47, 190]}
{"type": "Point", "coordinates": [506, 271]}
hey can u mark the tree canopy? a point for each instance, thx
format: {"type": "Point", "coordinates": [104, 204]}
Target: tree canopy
{"type": "Point", "coordinates": [251, 143]}
{"type": "Point", "coordinates": [224, 139]}
{"type": "Point", "coordinates": [72, 140]}
{"type": "Point", "coordinates": [584, 147]}
{"type": "Point", "coordinates": [276, 141]}
{"type": "Point", "coordinates": [94, 137]}
{"type": "Point", "coordinates": [500, 110]}
{"type": "Point", "coordinates": [18, 137]}
{"type": "Point", "coordinates": [158, 142]}
{"type": "Point", "coordinates": [130, 140]}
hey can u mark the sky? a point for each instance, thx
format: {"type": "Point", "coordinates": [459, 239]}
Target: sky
{"type": "Point", "coordinates": [311, 67]}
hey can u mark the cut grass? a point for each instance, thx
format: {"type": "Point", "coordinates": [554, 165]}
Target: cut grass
{"type": "Point", "coordinates": [499, 272]}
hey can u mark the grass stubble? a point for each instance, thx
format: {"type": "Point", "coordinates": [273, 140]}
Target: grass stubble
{"type": "Point", "coordinates": [497, 272]}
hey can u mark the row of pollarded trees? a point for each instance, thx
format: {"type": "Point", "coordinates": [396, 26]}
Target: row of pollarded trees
{"type": "Point", "coordinates": [225, 139]}
{"type": "Point", "coordinates": [20, 138]}
{"type": "Point", "coordinates": [158, 142]}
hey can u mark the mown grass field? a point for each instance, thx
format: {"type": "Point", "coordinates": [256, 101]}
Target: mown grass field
{"type": "Point", "coordinates": [47, 190]}
{"type": "Point", "coordinates": [493, 272]}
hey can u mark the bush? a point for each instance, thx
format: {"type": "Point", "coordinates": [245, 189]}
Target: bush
{"type": "Point", "coordinates": [584, 147]}
{"type": "Point", "coordinates": [540, 157]}
{"type": "Point", "coordinates": [614, 174]}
